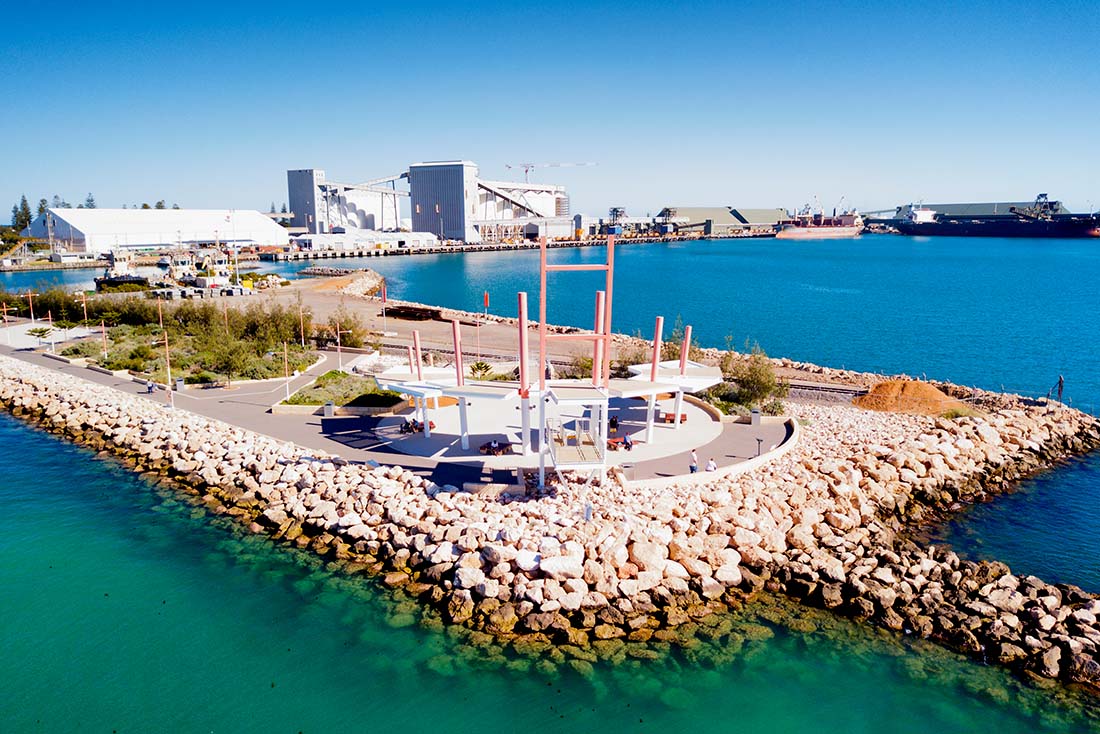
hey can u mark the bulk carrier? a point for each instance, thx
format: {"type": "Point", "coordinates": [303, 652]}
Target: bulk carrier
{"type": "Point", "coordinates": [1043, 218]}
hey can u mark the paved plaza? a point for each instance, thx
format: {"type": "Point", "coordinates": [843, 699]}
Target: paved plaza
{"type": "Point", "coordinates": [441, 458]}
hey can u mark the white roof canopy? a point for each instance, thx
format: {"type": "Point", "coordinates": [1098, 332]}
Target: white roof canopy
{"type": "Point", "coordinates": [696, 376]}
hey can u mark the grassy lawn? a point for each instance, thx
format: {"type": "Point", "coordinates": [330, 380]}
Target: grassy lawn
{"type": "Point", "coordinates": [345, 390]}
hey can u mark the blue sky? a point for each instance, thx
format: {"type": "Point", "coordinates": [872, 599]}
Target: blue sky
{"type": "Point", "coordinates": [749, 104]}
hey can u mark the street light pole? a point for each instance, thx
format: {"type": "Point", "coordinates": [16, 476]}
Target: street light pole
{"type": "Point", "coordinates": [168, 371]}
{"type": "Point", "coordinates": [30, 302]}
{"type": "Point", "coordinates": [7, 333]}
{"type": "Point", "coordinates": [339, 353]}
{"type": "Point", "coordinates": [286, 370]}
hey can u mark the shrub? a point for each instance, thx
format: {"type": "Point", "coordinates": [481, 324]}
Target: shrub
{"type": "Point", "coordinates": [480, 369]}
{"type": "Point", "coordinates": [756, 380]}
{"type": "Point", "coordinates": [201, 378]}
{"type": "Point", "coordinates": [775, 407]}
{"type": "Point", "coordinates": [954, 413]}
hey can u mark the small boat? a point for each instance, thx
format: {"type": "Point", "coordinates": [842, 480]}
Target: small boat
{"type": "Point", "coordinates": [119, 276]}
{"type": "Point", "coordinates": [810, 224]}
{"type": "Point", "coordinates": [164, 262]}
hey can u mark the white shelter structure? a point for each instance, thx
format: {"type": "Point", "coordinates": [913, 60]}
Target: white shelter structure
{"type": "Point", "coordinates": [99, 231]}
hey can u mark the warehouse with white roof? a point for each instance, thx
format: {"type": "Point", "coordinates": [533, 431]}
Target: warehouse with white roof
{"type": "Point", "coordinates": [98, 231]}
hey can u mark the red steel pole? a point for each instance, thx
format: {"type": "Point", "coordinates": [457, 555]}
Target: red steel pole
{"type": "Point", "coordinates": [685, 349]}
{"type": "Point", "coordinates": [656, 347]}
{"type": "Point", "coordinates": [542, 314]}
{"type": "Point", "coordinates": [457, 334]}
{"type": "Point", "coordinates": [419, 360]}
{"type": "Point", "coordinates": [523, 383]}
{"type": "Point", "coordinates": [597, 344]}
{"type": "Point", "coordinates": [607, 308]}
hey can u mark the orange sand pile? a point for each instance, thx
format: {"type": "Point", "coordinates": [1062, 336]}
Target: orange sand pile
{"type": "Point", "coordinates": [908, 396]}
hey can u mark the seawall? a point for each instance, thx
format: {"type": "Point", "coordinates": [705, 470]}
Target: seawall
{"type": "Point", "coordinates": [825, 524]}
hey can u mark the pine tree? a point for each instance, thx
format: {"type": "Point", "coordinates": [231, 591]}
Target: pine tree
{"type": "Point", "coordinates": [14, 214]}
{"type": "Point", "coordinates": [175, 206]}
{"type": "Point", "coordinates": [273, 207]}
{"type": "Point", "coordinates": [284, 208]}
{"type": "Point", "coordinates": [25, 215]}
{"type": "Point", "coordinates": [56, 204]}
{"type": "Point", "coordinates": [43, 205]}
{"type": "Point", "coordinates": [159, 205]}
{"type": "Point", "coordinates": [89, 203]}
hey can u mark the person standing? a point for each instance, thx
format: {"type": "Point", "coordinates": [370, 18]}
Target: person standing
{"type": "Point", "coordinates": [693, 464]}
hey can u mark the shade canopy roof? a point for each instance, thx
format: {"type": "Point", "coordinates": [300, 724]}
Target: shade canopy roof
{"type": "Point", "coordinates": [696, 376]}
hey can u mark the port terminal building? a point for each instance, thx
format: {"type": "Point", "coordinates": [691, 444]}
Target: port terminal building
{"type": "Point", "coordinates": [447, 199]}
{"type": "Point", "coordinates": [95, 232]}
{"type": "Point", "coordinates": [721, 220]}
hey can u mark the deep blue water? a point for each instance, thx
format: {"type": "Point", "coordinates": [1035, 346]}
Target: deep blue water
{"type": "Point", "coordinates": [994, 313]}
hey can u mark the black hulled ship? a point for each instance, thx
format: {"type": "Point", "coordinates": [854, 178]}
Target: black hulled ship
{"type": "Point", "coordinates": [1042, 218]}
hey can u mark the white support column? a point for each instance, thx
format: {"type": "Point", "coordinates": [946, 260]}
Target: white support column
{"type": "Point", "coordinates": [676, 410]}
{"type": "Point", "coordinates": [525, 423]}
{"type": "Point", "coordinates": [427, 420]}
{"type": "Point", "coordinates": [463, 423]}
{"type": "Point", "coordinates": [650, 410]}
{"type": "Point", "coordinates": [544, 441]}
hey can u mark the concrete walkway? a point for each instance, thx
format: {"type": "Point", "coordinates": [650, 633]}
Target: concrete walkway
{"type": "Point", "coordinates": [376, 439]}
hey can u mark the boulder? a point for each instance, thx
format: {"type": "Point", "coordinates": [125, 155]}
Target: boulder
{"type": "Point", "coordinates": [563, 567]}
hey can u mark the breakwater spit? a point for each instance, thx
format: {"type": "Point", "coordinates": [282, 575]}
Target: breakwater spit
{"type": "Point", "coordinates": [825, 524]}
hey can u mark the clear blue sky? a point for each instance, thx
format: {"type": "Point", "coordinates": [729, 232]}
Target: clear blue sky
{"type": "Point", "coordinates": [755, 104]}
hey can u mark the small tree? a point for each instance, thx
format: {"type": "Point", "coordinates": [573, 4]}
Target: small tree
{"type": "Point", "coordinates": [43, 205]}
{"type": "Point", "coordinates": [159, 205]}
{"type": "Point", "coordinates": [480, 370]}
{"type": "Point", "coordinates": [756, 380]}
{"type": "Point", "coordinates": [40, 333]}
{"type": "Point", "coordinates": [89, 202]}
{"type": "Point", "coordinates": [230, 358]}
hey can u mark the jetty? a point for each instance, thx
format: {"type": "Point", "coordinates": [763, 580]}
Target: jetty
{"type": "Point", "coordinates": [604, 568]}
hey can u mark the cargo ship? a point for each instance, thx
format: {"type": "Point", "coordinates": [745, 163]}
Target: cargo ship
{"type": "Point", "coordinates": [1043, 218]}
{"type": "Point", "coordinates": [808, 224]}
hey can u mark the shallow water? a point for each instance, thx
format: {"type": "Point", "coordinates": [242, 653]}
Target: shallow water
{"type": "Point", "coordinates": [126, 609]}
{"type": "Point", "coordinates": [122, 611]}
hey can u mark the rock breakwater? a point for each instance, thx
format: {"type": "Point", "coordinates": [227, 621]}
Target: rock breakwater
{"type": "Point", "coordinates": [585, 569]}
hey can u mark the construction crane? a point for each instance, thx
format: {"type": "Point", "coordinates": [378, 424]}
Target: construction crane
{"type": "Point", "coordinates": [528, 166]}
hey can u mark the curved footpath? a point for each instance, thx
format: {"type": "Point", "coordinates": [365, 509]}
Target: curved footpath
{"type": "Point", "coordinates": [824, 524]}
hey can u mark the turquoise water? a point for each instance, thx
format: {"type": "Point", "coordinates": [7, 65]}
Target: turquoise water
{"type": "Point", "coordinates": [125, 609]}
{"type": "Point", "coordinates": [197, 623]}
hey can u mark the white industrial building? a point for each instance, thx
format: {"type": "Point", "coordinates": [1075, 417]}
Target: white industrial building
{"type": "Point", "coordinates": [98, 231]}
{"type": "Point", "coordinates": [319, 205]}
{"type": "Point", "coordinates": [450, 199]}
{"type": "Point", "coordinates": [355, 240]}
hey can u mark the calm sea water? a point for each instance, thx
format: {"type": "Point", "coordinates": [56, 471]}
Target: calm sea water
{"type": "Point", "coordinates": [197, 624]}
{"type": "Point", "coordinates": [127, 610]}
